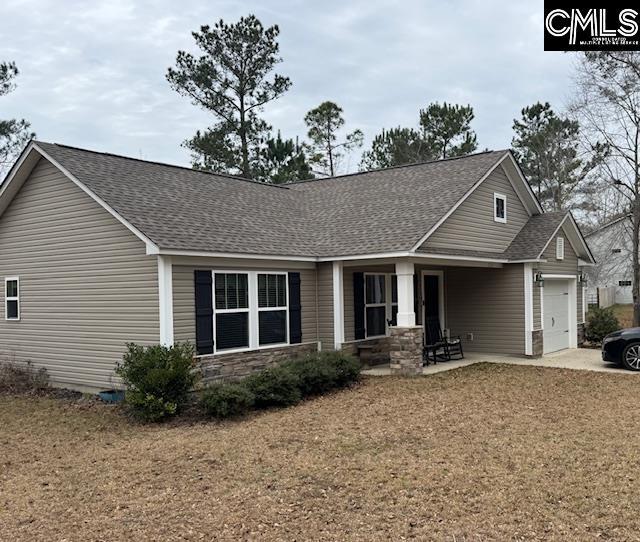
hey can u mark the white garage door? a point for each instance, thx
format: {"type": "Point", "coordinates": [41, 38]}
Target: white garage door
{"type": "Point", "coordinates": [556, 315]}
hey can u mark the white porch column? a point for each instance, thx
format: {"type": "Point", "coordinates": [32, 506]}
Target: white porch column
{"type": "Point", "coordinates": [338, 305]}
{"type": "Point", "coordinates": [406, 314]}
{"type": "Point", "coordinates": [165, 299]}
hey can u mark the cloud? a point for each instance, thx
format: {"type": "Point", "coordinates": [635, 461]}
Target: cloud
{"type": "Point", "coordinates": [92, 74]}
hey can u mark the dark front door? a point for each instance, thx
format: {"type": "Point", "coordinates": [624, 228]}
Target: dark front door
{"type": "Point", "coordinates": [431, 301]}
{"type": "Point", "coordinates": [431, 308]}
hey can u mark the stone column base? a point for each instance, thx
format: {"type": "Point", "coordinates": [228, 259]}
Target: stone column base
{"type": "Point", "coordinates": [536, 343]}
{"type": "Point", "coordinates": [580, 334]}
{"type": "Point", "coordinates": [405, 356]}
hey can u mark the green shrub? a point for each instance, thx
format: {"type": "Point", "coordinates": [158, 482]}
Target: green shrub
{"type": "Point", "coordinates": [150, 407]}
{"type": "Point", "coordinates": [284, 385]}
{"type": "Point", "coordinates": [226, 400]}
{"type": "Point", "coordinates": [314, 377]}
{"type": "Point", "coordinates": [320, 372]}
{"type": "Point", "coordinates": [158, 379]}
{"type": "Point", "coordinates": [276, 386]}
{"type": "Point", "coordinates": [600, 322]}
{"type": "Point", "coordinates": [346, 367]}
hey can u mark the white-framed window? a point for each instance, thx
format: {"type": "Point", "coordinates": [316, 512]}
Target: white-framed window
{"type": "Point", "coordinates": [272, 308]}
{"type": "Point", "coordinates": [499, 208]}
{"type": "Point", "coordinates": [380, 303]}
{"type": "Point", "coordinates": [250, 310]}
{"type": "Point", "coordinates": [560, 248]}
{"type": "Point", "coordinates": [231, 309]}
{"type": "Point", "coordinates": [12, 298]}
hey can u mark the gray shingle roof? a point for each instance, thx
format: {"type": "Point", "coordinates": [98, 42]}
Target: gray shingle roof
{"type": "Point", "coordinates": [373, 212]}
{"type": "Point", "coordinates": [531, 239]}
{"type": "Point", "coordinates": [179, 208]}
{"type": "Point", "coordinates": [389, 209]}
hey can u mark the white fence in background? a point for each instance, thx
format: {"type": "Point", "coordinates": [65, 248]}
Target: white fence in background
{"type": "Point", "coordinates": [606, 296]}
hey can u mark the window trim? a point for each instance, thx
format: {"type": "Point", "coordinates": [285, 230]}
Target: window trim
{"type": "Point", "coordinates": [253, 310]}
{"type": "Point", "coordinates": [279, 308]}
{"type": "Point", "coordinates": [388, 303]}
{"type": "Point", "coordinates": [559, 248]}
{"type": "Point", "coordinates": [496, 218]}
{"type": "Point", "coordinates": [11, 298]}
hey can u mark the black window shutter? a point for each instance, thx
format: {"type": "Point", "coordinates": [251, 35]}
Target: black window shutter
{"type": "Point", "coordinates": [204, 312]}
{"type": "Point", "coordinates": [295, 309]}
{"type": "Point", "coordinates": [358, 305]}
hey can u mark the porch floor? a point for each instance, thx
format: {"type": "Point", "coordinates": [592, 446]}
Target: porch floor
{"type": "Point", "coordinates": [585, 359]}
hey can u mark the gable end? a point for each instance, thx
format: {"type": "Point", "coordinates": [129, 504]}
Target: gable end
{"type": "Point", "coordinates": [473, 226]}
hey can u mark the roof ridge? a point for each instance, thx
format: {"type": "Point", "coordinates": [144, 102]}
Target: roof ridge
{"type": "Point", "coordinates": [165, 164]}
{"type": "Point", "coordinates": [610, 222]}
{"type": "Point", "coordinates": [412, 164]}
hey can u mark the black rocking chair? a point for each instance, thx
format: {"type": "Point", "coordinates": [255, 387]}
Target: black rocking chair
{"type": "Point", "coordinates": [437, 347]}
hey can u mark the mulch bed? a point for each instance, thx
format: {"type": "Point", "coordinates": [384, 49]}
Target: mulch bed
{"type": "Point", "coordinates": [488, 452]}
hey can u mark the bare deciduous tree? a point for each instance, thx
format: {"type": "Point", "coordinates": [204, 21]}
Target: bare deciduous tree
{"type": "Point", "coordinates": [607, 103]}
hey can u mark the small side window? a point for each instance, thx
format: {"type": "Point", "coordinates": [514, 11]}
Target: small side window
{"type": "Point", "coordinates": [12, 298]}
{"type": "Point", "coordinates": [499, 208]}
{"type": "Point", "coordinates": [616, 250]}
{"type": "Point", "coordinates": [560, 248]}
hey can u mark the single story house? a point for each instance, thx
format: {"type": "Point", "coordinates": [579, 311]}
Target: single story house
{"type": "Point", "coordinates": [97, 250]}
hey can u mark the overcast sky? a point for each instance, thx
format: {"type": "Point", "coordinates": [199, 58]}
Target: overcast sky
{"type": "Point", "coordinates": [93, 73]}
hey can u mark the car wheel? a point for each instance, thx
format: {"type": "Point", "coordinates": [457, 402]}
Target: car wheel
{"type": "Point", "coordinates": [631, 357]}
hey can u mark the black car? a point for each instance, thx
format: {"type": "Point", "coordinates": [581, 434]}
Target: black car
{"type": "Point", "coordinates": [623, 347]}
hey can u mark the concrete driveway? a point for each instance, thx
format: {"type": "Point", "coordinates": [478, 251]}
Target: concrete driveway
{"type": "Point", "coordinates": [584, 359]}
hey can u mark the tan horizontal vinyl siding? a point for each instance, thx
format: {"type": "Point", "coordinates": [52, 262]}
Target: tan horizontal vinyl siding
{"type": "Point", "coordinates": [488, 303]}
{"type": "Point", "coordinates": [309, 305]}
{"type": "Point", "coordinates": [567, 266]}
{"type": "Point", "coordinates": [184, 320]}
{"type": "Point", "coordinates": [325, 305]}
{"type": "Point", "coordinates": [184, 309]}
{"type": "Point", "coordinates": [86, 284]}
{"type": "Point", "coordinates": [472, 227]}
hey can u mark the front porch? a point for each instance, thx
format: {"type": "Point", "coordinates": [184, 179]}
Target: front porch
{"type": "Point", "coordinates": [380, 308]}
{"type": "Point", "coordinates": [470, 358]}
{"type": "Point", "coordinates": [583, 359]}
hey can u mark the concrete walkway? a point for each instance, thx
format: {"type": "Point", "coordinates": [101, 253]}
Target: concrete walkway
{"type": "Point", "coordinates": [584, 359]}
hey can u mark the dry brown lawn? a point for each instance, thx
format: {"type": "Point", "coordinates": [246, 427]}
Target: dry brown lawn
{"type": "Point", "coordinates": [488, 452]}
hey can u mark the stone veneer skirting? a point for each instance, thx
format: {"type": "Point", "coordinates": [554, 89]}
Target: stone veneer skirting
{"type": "Point", "coordinates": [536, 343]}
{"type": "Point", "coordinates": [237, 365]}
{"type": "Point", "coordinates": [379, 352]}
{"type": "Point", "coordinates": [406, 350]}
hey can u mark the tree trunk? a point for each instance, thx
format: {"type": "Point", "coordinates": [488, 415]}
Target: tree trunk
{"type": "Point", "coordinates": [444, 148]}
{"type": "Point", "coordinates": [244, 147]}
{"type": "Point", "coordinates": [636, 263]}
{"type": "Point", "coordinates": [635, 289]}
{"type": "Point", "coordinates": [329, 149]}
